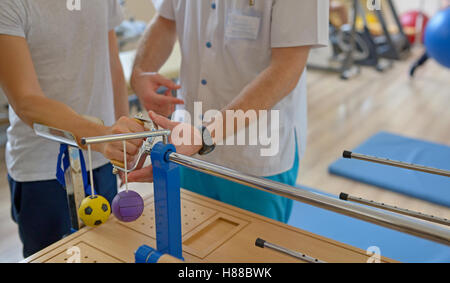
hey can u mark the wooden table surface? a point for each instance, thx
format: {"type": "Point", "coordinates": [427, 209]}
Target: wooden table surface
{"type": "Point", "coordinates": [211, 232]}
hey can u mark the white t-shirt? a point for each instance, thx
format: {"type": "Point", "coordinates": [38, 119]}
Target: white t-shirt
{"type": "Point", "coordinates": [70, 53]}
{"type": "Point", "coordinates": [225, 45]}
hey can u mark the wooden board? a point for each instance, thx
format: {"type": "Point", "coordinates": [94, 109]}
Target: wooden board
{"type": "Point", "coordinates": [212, 232]}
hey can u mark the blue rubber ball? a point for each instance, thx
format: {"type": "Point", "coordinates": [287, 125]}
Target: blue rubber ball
{"type": "Point", "coordinates": [437, 38]}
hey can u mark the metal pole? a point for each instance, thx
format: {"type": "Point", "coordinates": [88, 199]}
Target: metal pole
{"type": "Point", "coordinates": [390, 220]}
{"type": "Point", "coordinates": [383, 218]}
{"type": "Point", "coordinates": [263, 244]}
{"type": "Point", "coordinates": [74, 187]}
{"type": "Point", "coordinates": [430, 170]}
{"type": "Point", "coordinates": [122, 137]}
{"type": "Point", "coordinates": [431, 218]}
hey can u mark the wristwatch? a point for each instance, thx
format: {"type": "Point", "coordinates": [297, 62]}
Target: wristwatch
{"type": "Point", "coordinates": [207, 141]}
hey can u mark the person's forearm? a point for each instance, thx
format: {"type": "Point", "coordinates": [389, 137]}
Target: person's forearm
{"type": "Point", "coordinates": [120, 89]}
{"type": "Point", "coordinates": [21, 86]}
{"type": "Point", "coordinates": [267, 90]}
{"type": "Point", "coordinates": [52, 113]}
{"type": "Point", "coordinates": [121, 104]}
{"type": "Point", "coordinates": [155, 46]}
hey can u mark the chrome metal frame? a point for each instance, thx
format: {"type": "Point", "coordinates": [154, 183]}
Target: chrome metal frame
{"type": "Point", "coordinates": [384, 161]}
{"type": "Point", "coordinates": [387, 219]}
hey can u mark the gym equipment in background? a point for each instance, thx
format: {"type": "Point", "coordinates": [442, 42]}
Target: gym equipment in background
{"type": "Point", "coordinates": [366, 41]}
{"type": "Point", "coordinates": [437, 38]}
{"type": "Point", "coordinates": [349, 48]}
{"type": "Point", "coordinates": [129, 31]}
{"type": "Point", "coordinates": [437, 42]}
{"type": "Point", "coordinates": [337, 58]}
{"type": "Point", "coordinates": [414, 23]}
{"type": "Point", "coordinates": [419, 63]}
{"type": "Point", "coordinates": [389, 45]}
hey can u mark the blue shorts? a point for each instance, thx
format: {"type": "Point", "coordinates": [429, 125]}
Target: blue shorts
{"type": "Point", "coordinates": [263, 203]}
{"type": "Point", "coordinates": [41, 211]}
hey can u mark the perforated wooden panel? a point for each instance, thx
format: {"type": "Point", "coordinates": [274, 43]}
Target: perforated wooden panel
{"type": "Point", "coordinates": [212, 232]}
{"type": "Point", "coordinates": [192, 215]}
{"type": "Point", "coordinates": [82, 253]}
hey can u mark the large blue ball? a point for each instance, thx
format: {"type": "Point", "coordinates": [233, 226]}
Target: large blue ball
{"type": "Point", "coordinates": [437, 37]}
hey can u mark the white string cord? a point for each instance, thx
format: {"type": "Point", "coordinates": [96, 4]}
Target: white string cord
{"type": "Point", "coordinates": [125, 164]}
{"type": "Point", "coordinates": [90, 169]}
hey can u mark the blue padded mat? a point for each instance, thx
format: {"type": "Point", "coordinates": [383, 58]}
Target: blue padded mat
{"type": "Point", "coordinates": [432, 188]}
{"type": "Point", "coordinates": [395, 245]}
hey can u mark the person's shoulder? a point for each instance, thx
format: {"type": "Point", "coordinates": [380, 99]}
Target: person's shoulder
{"type": "Point", "coordinates": [14, 3]}
{"type": "Point", "coordinates": [17, 6]}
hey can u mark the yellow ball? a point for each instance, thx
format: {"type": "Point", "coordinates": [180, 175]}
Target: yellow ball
{"type": "Point", "coordinates": [94, 211]}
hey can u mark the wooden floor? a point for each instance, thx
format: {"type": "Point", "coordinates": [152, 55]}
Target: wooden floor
{"type": "Point", "coordinates": [342, 114]}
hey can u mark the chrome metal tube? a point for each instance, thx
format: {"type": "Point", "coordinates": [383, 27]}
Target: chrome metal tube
{"type": "Point", "coordinates": [263, 244]}
{"type": "Point", "coordinates": [423, 216]}
{"type": "Point", "coordinates": [430, 170]}
{"type": "Point", "coordinates": [122, 137]}
{"type": "Point", "coordinates": [383, 218]}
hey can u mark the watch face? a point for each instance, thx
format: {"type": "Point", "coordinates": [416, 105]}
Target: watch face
{"type": "Point", "coordinates": [207, 139]}
{"type": "Point", "coordinates": [208, 143]}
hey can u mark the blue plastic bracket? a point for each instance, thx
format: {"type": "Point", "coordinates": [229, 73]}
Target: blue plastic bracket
{"type": "Point", "coordinates": [146, 254]}
{"type": "Point", "coordinates": [166, 178]}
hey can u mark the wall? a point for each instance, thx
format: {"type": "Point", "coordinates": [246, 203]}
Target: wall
{"type": "Point", "coordinates": [141, 10]}
{"type": "Point", "coordinates": [429, 6]}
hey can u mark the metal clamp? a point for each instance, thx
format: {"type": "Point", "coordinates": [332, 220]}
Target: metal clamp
{"type": "Point", "coordinates": [144, 151]}
{"type": "Point", "coordinates": [150, 139]}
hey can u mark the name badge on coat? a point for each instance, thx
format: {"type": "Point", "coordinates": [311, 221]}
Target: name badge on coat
{"type": "Point", "coordinates": [242, 26]}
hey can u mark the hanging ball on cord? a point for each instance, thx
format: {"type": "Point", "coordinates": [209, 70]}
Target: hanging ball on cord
{"type": "Point", "coordinates": [128, 206]}
{"type": "Point", "coordinates": [94, 210]}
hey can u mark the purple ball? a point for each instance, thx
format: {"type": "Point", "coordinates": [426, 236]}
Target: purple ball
{"type": "Point", "coordinates": [127, 206]}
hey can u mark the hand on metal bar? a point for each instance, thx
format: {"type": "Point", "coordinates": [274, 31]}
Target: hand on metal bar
{"type": "Point", "coordinates": [144, 151]}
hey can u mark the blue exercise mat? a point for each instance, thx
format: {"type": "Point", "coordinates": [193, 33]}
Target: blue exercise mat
{"type": "Point", "coordinates": [432, 188]}
{"type": "Point", "coordinates": [392, 244]}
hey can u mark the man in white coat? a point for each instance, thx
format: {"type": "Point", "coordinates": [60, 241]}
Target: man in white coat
{"type": "Point", "coordinates": [238, 56]}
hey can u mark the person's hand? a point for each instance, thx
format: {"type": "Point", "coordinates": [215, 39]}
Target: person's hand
{"type": "Point", "coordinates": [114, 150]}
{"type": "Point", "coordinates": [186, 138]}
{"type": "Point", "coordinates": [146, 85]}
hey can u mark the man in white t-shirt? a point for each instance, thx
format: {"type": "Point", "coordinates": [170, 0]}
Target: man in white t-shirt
{"type": "Point", "coordinates": [236, 55]}
{"type": "Point", "coordinates": [59, 61]}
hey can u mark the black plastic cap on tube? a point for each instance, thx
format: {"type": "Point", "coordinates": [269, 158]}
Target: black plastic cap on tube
{"type": "Point", "coordinates": [343, 196]}
{"type": "Point", "coordinates": [260, 243]}
{"type": "Point", "coordinates": [347, 154]}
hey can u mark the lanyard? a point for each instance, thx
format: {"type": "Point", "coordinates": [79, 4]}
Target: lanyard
{"type": "Point", "coordinates": [64, 164]}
